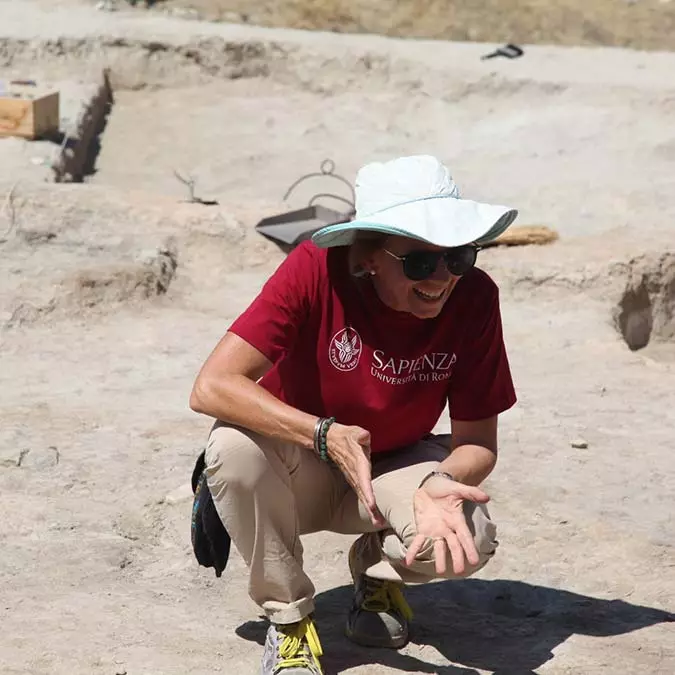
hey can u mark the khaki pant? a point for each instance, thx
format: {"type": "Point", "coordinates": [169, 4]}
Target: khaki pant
{"type": "Point", "coordinates": [268, 493]}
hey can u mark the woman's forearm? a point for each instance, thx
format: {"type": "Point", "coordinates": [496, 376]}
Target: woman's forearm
{"type": "Point", "coordinates": [469, 464]}
{"type": "Point", "coordinates": [238, 400]}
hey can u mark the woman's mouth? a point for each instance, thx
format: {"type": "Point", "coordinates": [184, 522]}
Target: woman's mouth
{"type": "Point", "coordinates": [429, 297]}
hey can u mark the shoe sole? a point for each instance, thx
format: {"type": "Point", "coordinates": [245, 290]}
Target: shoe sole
{"type": "Point", "coordinates": [370, 642]}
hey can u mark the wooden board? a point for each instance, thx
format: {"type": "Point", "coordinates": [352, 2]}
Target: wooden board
{"type": "Point", "coordinates": [28, 112]}
{"type": "Point", "coordinates": [525, 235]}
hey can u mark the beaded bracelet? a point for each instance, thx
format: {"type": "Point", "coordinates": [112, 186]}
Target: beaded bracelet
{"type": "Point", "coordinates": [320, 434]}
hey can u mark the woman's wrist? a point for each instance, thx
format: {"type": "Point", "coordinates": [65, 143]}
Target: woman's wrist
{"type": "Point", "coordinates": [436, 474]}
{"type": "Point", "coordinates": [323, 424]}
{"type": "Point", "coordinates": [469, 464]}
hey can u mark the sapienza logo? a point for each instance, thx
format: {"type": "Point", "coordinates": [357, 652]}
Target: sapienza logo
{"type": "Point", "coordinates": [430, 367]}
{"type": "Point", "coordinates": [345, 349]}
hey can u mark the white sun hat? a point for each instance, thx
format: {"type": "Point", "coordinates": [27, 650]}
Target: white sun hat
{"type": "Point", "coordinates": [416, 197]}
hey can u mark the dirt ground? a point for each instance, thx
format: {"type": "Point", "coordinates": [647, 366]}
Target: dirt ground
{"type": "Point", "coordinates": [639, 24]}
{"type": "Point", "coordinates": [113, 291]}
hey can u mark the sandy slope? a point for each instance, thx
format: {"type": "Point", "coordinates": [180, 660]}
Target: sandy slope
{"type": "Point", "coordinates": [639, 24]}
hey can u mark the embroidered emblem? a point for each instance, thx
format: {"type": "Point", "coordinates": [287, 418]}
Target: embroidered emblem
{"type": "Point", "coordinates": [345, 349]}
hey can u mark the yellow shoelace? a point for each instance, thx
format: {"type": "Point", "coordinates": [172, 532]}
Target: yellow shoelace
{"type": "Point", "coordinates": [382, 596]}
{"type": "Point", "coordinates": [301, 647]}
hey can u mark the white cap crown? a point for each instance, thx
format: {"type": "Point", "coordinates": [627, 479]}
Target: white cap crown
{"type": "Point", "coordinates": [383, 185]}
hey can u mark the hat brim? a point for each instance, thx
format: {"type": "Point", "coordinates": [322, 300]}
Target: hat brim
{"type": "Point", "coordinates": [441, 221]}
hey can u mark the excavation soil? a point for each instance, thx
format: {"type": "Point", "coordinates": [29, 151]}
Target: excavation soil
{"type": "Point", "coordinates": [639, 24]}
{"type": "Point", "coordinates": [114, 291]}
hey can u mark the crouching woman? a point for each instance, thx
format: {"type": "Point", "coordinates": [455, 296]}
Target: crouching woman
{"type": "Point", "coordinates": [325, 392]}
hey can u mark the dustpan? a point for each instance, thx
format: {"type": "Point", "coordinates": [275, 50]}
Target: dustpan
{"type": "Point", "coordinates": [293, 227]}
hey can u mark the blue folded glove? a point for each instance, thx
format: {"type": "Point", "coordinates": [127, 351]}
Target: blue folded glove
{"type": "Point", "coordinates": [210, 540]}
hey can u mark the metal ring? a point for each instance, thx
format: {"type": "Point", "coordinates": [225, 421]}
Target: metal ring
{"type": "Point", "coordinates": [327, 166]}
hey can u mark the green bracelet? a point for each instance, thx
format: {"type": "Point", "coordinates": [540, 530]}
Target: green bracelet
{"type": "Point", "coordinates": [320, 438]}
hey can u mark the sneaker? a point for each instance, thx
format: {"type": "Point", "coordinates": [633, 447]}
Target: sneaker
{"type": "Point", "coordinates": [379, 614]}
{"type": "Point", "coordinates": [292, 649]}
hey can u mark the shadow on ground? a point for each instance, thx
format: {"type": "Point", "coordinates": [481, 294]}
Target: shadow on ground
{"type": "Point", "coordinates": [521, 623]}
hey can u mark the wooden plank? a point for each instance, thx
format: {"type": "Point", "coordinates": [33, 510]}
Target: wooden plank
{"type": "Point", "coordinates": [525, 235]}
{"type": "Point", "coordinates": [28, 115]}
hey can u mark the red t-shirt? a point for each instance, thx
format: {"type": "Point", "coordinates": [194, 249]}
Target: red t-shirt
{"type": "Point", "coordinates": [339, 351]}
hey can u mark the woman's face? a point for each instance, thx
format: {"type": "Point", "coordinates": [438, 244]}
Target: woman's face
{"type": "Point", "coordinates": [425, 298]}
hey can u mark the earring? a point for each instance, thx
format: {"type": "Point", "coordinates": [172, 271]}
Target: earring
{"type": "Point", "coordinates": [372, 273]}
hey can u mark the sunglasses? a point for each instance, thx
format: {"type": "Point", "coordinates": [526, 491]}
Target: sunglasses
{"type": "Point", "coordinates": [420, 265]}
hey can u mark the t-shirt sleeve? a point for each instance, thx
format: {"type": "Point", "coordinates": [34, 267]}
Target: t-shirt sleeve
{"type": "Point", "coordinates": [272, 321]}
{"type": "Point", "coordinates": [482, 385]}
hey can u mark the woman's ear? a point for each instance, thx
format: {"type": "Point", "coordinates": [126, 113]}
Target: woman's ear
{"type": "Point", "coordinates": [371, 264]}
{"type": "Point", "coordinates": [363, 256]}
{"type": "Point", "coordinates": [365, 271]}
{"type": "Point", "coordinates": [365, 268]}
{"type": "Point", "coordinates": [361, 272]}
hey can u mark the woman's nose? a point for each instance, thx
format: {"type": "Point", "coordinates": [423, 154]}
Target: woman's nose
{"type": "Point", "coordinates": [441, 273]}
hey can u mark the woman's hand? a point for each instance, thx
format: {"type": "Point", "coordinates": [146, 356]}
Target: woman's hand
{"type": "Point", "coordinates": [439, 515]}
{"type": "Point", "coordinates": [349, 448]}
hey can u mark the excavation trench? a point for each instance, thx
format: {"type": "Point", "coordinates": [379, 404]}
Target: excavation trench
{"type": "Point", "coordinates": [81, 145]}
{"type": "Point", "coordinates": [645, 312]}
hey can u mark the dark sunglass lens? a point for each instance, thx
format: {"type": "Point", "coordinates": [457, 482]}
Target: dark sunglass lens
{"type": "Point", "coordinates": [461, 260]}
{"type": "Point", "coordinates": [420, 265]}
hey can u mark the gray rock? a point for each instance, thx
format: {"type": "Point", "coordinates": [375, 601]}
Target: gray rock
{"type": "Point", "coordinates": [40, 458]}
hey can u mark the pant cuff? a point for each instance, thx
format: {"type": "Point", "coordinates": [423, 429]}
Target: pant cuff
{"type": "Point", "coordinates": [290, 613]}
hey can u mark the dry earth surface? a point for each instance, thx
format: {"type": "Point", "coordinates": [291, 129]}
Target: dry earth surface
{"type": "Point", "coordinates": [639, 24]}
{"type": "Point", "coordinates": [113, 291]}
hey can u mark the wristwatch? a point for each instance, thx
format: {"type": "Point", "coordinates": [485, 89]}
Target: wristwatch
{"type": "Point", "coordinates": [431, 474]}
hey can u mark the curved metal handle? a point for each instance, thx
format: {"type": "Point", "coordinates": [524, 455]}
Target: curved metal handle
{"type": "Point", "coordinates": [332, 196]}
{"type": "Point", "coordinates": [327, 169]}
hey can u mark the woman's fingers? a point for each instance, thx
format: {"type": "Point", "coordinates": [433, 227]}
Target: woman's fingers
{"type": "Point", "coordinates": [368, 498]}
{"type": "Point", "coordinates": [441, 547]}
{"type": "Point", "coordinates": [440, 557]}
{"type": "Point", "coordinates": [472, 493]}
{"type": "Point", "coordinates": [414, 548]}
{"type": "Point", "coordinates": [364, 476]}
{"type": "Point", "coordinates": [456, 551]}
{"type": "Point", "coordinates": [358, 474]}
{"type": "Point", "coordinates": [468, 545]}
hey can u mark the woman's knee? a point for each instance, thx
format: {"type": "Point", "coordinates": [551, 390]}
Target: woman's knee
{"type": "Point", "coordinates": [484, 532]}
{"type": "Point", "coordinates": [482, 528]}
{"type": "Point", "coordinates": [234, 458]}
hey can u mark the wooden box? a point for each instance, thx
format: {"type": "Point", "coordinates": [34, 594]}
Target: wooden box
{"type": "Point", "coordinates": [28, 111]}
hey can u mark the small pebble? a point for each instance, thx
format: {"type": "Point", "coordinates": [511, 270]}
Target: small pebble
{"type": "Point", "coordinates": [579, 443]}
